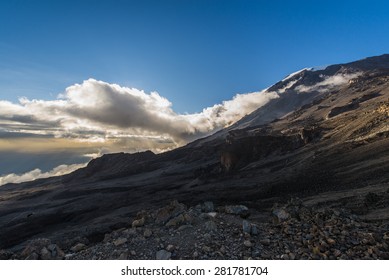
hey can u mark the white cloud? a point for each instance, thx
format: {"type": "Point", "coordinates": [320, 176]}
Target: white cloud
{"type": "Point", "coordinates": [37, 174]}
{"type": "Point", "coordinates": [328, 83]}
{"type": "Point", "coordinates": [227, 113]}
{"type": "Point", "coordinates": [96, 111]}
{"type": "Point", "coordinates": [96, 117]}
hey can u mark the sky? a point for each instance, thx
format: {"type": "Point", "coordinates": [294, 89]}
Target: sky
{"type": "Point", "coordinates": [81, 78]}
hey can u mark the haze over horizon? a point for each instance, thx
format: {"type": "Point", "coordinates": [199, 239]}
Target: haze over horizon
{"type": "Point", "coordinates": [82, 78]}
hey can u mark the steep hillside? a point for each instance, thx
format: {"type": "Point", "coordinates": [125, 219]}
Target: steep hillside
{"type": "Point", "coordinates": [325, 139]}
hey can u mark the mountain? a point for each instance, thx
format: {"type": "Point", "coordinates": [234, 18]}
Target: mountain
{"type": "Point", "coordinates": [313, 83]}
{"type": "Point", "coordinates": [325, 140]}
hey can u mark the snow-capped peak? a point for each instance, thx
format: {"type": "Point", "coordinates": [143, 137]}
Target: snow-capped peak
{"type": "Point", "coordinates": [295, 73]}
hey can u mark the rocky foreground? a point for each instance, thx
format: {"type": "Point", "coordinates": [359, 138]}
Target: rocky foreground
{"type": "Point", "coordinates": [294, 230]}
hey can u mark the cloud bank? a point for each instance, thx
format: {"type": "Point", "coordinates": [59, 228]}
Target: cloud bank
{"type": "Point", "coordinates": [96, 111]}
{"type": "Point", "coordinates": [38, 174]}
{"type": "Point", "coordinates": [95, 117]}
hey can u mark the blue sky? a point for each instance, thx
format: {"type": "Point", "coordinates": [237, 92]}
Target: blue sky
{"type": "Point", "coordinates": [194, 53]}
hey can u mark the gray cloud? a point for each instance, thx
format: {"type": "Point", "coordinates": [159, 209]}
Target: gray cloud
{"type": "Point", "coordinates": [12, 135]}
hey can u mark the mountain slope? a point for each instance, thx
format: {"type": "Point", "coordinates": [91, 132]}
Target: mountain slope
{"type": "Point", "coordinates": [327, 132]}
{"type": "Point", "coordinates": [304, 86]}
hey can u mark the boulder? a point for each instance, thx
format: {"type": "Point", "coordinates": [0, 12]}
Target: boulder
{"type": "Point", "coordinates": [165, 214]}
{"type": "Point", "coordinates": [42, 248]}
{"type": "Point", "coordinates": [280, 215]}
{"type": "Point", "coordinates": [163, 255]}
{"type": "Point", "coordinates": [207, 207]}
{"type": "Point", "coordinates": [240, 210]}
{"type": "Point", "coordinates": [138, 223]}
{"type": "Point", "coordinates": [78, 247]}
{"type": "Point", "coordinates": [120, 241]}
{"type": "Point", "coordinates": [176, 221]}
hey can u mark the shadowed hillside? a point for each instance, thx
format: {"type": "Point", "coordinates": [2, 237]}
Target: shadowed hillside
{"type": "Point", "coordinates": [325, 139]}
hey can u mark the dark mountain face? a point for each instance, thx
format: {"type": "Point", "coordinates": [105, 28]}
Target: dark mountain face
{"type": "Point", "coordinates": [370, 63]}
{"type": "Point", "coordinates": [327, 132]}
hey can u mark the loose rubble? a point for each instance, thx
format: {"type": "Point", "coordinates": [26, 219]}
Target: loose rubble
{"type": "Point", "coordinates": [293, 231]}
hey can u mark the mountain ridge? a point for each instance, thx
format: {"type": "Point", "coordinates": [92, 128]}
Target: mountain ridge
{"type": "Point", "coordinates": [333, 138]}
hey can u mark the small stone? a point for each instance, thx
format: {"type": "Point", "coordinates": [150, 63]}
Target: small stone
{"type": "Point", "coordinates": [212, 214]}
{"type": "Point", "coordinates": [237, 210]}
{"type": "Point", "coordinates": [207, 207]}
{"type": "Point", "coordinates": [107, 238]}
{"type": "Point", "coordinates": [265, 242]}
{"type": "Point", "coordinates": [292, 256]}
{"type": "Point", "coordinates": [184, 227]}
{"type": "Point", "coordinates": [52, 247]}
{"type": "Point", "coordinates": [163, 255]}
{"type": "Point", "coordinates": [210, 226]}
{"type": "Point", "coordinates": [123, 256]}
{"type": "Point", "coordinates": [354, 241]}
{"type": "Point", "coordinates": [175, 221]}
{"type": "Point", "coordinates": [53, 250]}
{"type": "Point", "coordinates": [195, 254]}
{"type": "Point", "coordinates": [284, 257]}
{"type": "Point", "coordinates": [248, 243]}
{"type": "Point", "coordinates": [316, 250]}
{"type": "Point", "coordinates": [254, 229]}
{"type": "Point", "coordinates": [246, 226]}
{"type": "Point", "coordinates": [133, 253]}
{"type": "Point", "coordinates": [165, 214]}
{"type": "Point", "coordinates": [204, 216]}
{"type": "Point", "coordinates": [138, 223]}
{"type": "Point", "coordinates": [206, 237]}
{"type": "Point", "coordinates": [147, 233]}
{"type": "Point", "coordinates": [223, 249]}
{"type": "Point", "coordinates": [120, 241]}
{"type": "Point", "coordinates": [69, 256]}
{"type": "Point", "coordinates": [78, 247]}
{"type": "Point", "coordinates": [60, 254]}
{"type": "Point", "coordinates": [5, 255]}
{"type": "Point", "coordinates": [36, 246]}
{"type": "Point", "coordinates": [337, 253]}
{"type": "Point", "coordinates": [308, 236]}
{"type": "Point", "coordinates": [206, 249]}
{"type": "Point", "coordinates": [331, 241]}
{"type": "Point", "coordinates": [33, 256]}
{"type": "Point", "coordinates": [45, 254]}
{"type": "Point", "coordinates": [188, 218]}
{"type": "Point", "coordinates": [281, 215]}
{"type": "Point", "coordinates": [170, 248]}
{"type": "Point", "coordinates": [256, 253]}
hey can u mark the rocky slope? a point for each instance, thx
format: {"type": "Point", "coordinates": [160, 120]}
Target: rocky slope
{"type": "Point", "coordinates": [294, 230]}
{"type": "Point", "coordinates": [324, 140]}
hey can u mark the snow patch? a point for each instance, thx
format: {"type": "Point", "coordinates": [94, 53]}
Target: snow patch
{"type": "Point", "coordinates": [295, 73]}
{"type": "Point", "coordinates": [288, 86]}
